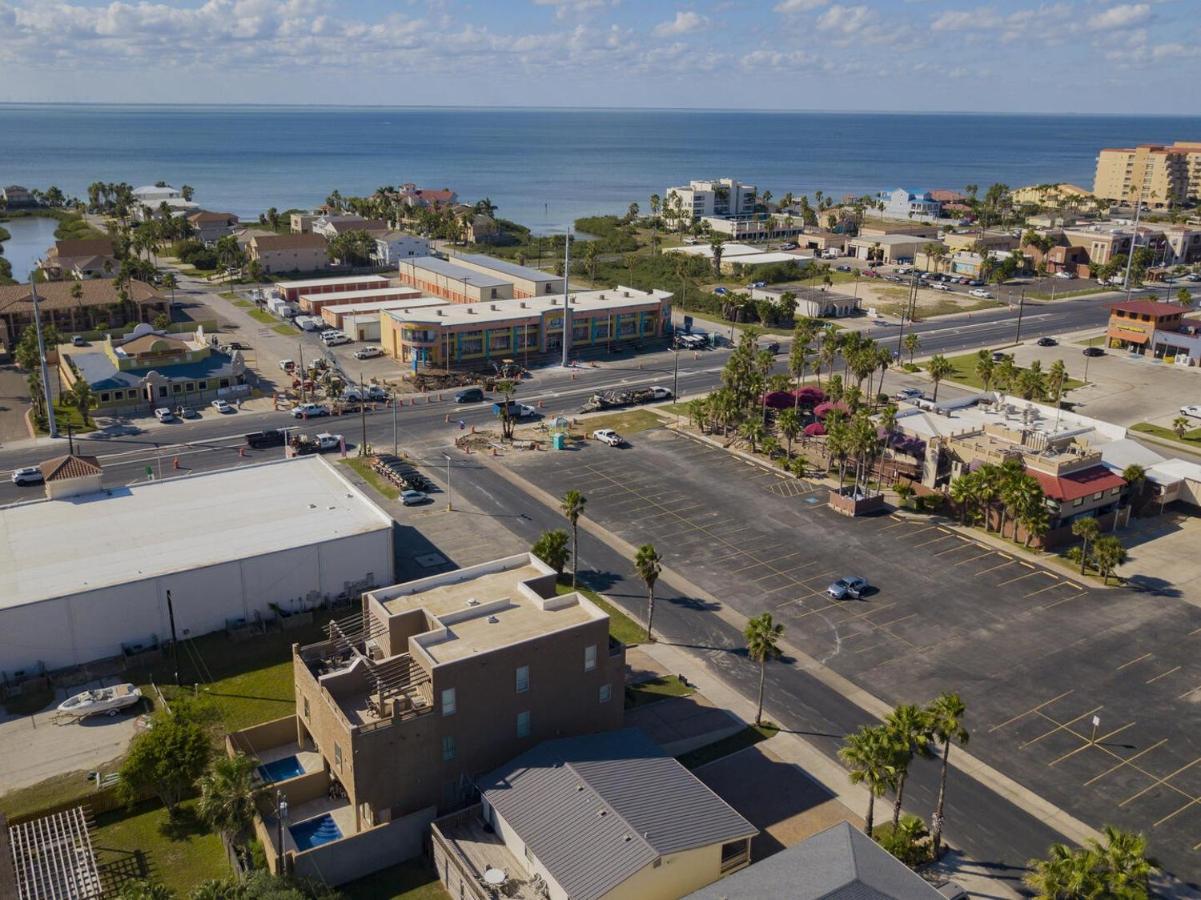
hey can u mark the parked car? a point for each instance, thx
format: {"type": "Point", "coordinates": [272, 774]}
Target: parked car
{"type": "Point", "coordinates": [909, 393]}
{"type": "Point", "coordinates": [1192, 276]}
{"type": "Point", "coordinates": [334, 338]}
{"type": "Point", "coordinates": [608, 436]}
{"type": "Point", "coordinates": [352, 395]}
{"type": "Point", "coordinates": [164, 415]}
{"type": "Point", "coordinates": [222, 407]}
{"type": "Point", "coordinates": [1047, 342]}
{"type": "Point", "coordinates": [965, 281]}
{"type": "Point", "coordinates": [850, 586]}
{"type": "Point", "coordinates": [326, 442]}
{"type": "Point", "coordinates": [27, 475]}
{"type": "Point", "coordinates": [998, 356]}
{"type": "Point", "coordinates": [981, 293]}
{"type": "Point", "coordinates": [287, 365]}
{"type": "Point", "coordinates": [1192, 411]}
{"type": "Point", "coordinates": [376, 392]}
{"type": "Point", "coordinates": [413, 498]}
{"type": "Point", "coordinates": [1065, 275]}
{"type": "Point", "coordinates": [368, 353]}
{"type": "Point", "coordinates": [976, 282]}
{"type": "Point", "coordinates": [261, 440]}
{"type": "Point", "coordinates": [77, 341]}
{"type": "Point", "coordinates": [1094, 351]}
{"type": "Point", "coordinates": [720, 291]}
{"type": "Point", "coordinates": [186, 412]}
{"type": "Point", "coordinates": [939, 286]}
{"type": "Point", "coordinates": [790, 245]}
{"type": "Point", "coordinates": [470, 395]}
{"type": "Point", "coordinates": [842, 268]}
{"type": "Point", "coordinates": [309, 411]}
{"type": "Point", "coordinates": [662, 393]}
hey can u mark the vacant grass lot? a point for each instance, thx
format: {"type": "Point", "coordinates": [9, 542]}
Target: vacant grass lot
{"type": "Point", "coordinates": [629, 421]}
{"type": "Point", "coordinates": [965, 372]}
{"type": "Point", "coordinates": [262, 316]}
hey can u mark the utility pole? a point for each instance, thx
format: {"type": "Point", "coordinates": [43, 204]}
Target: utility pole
{"type": "Point", "coordinates": [174, 639]}
{"type": "Point", "coordinates": [395, 434]}
{"type": "Point", "coordinates": [910, 303]}
{"type": "Point", "coordinates": [675, 385]}
{"type": "Point", "coordinates": [1138, 208]}
{"type": "Point", "coordinates": [51, 424]}
{"type": "Point", "coordinates": [566, 296]}
{"type": "Point", "coordinates": [450, 496]}
{"type": "Point", "coordinates": [1017, 338]}
{"type": "Point", "coordinates": [300, 368]}
{"type": "Point", "coordinates": [363, 415]}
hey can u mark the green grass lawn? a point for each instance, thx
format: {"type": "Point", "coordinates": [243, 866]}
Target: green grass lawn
{"type": "Point", "coordinates": [943, 306]}
{"type": "Point", "coordinates": [262, 316]}
{"type": "Point", "coordinates": [1098, 341]}
{"type": "Point", "coordinates": [180, 854]}
{"type": "Point", "coordinates": [740, 740]}
{"type": "Point", "coordinates": [621, 626]}
{"type": "Point", "coordinates": [362, 466]}
{"type": "Point", "coordinates": [965, 372]}
{"type": "Point", "coordinates": [656, 689]}
{"type": "Point", "coordinates": [629, 421]}
{"type": "Point", "coordinates": [1067, 295]}
{"type": "Point", "coordinates": [411, 880]}
{"type": "Point", "coordinates": [1192, 437]}
{"type": "Point", "coordinates": [67, 787]}
{"type": "Point", "coordinates": [284, 329]}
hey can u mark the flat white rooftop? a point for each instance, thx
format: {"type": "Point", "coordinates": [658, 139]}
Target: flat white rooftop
{"type": "Point", "coordinates": [350, 309]}
{"type": "Point", "coordinates": [316, 282]}
{"type": "Point", "coordinates": [377, 295]}
{"type": "Point", "coordinates": [55, 548]}
{"type": "Point", "coordinates": [613, 300]}
{"type": "Point", "coordinates": [728, 250]}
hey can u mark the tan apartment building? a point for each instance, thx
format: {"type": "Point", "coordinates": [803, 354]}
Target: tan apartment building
{"type": "Point", "coordinates": [1158, 174]}
{"type": "Point", "coordinates": [424, 687]}
{"type": "Point", "coordinates": [527, 282]}
{"type": "Point", "coordinates": [606, 816]}
{"type": "Point", "coordinates": [458, 284]}
{"type": "Point", "coordinates": [290, 252]}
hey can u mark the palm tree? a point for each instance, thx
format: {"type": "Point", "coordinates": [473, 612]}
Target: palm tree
{"type": "Point", "coordinates": [1108, 554]}
{"type": "Point", "coordinates": [227, 795]}
{"type": "Point", "coordinates": [1135, 477]}
{"type": "Point", "coordinates": [946, 713]}
{"type": "Point", "coordinates": [870, 756]}
{"type": "Point", "coordinates": [1180, 425]}
{"type": "Point", "coordinates": [912, 730]}
{"type": "Point", "coordinates": [1124, 859]}
{"type": "Point", "coordinates": [715, 245]}
{"type": "Point", "coordinates": [1036, 521]}
{"type": "Point", "coordinates": [573, 506]}
{"type": "Point", "coordinates": [985, 368]}
{"type": "Point", "coordinates": [912, 343]}
{"type": "Point", "coordinates": [939, 367]}
{"type": "Point", "coordinates": [648, 564]}
{"type": "Point", "coordinates": [789, 424]}
{"type": "Point", "coordinates": [962, 493]}
{"type": "Point", "coordinates": [1057, 377]}
{"type": "Point", "coordinates": [1087, 529]}
{"type": "Point", "coordinates": [1013, 490]}
{"type": "Point", "coordinates": [83, 399]}
{"type": "Point", "coordinates": [762, 643]}
{"type": "Point", "coordinates": [1064, 875]}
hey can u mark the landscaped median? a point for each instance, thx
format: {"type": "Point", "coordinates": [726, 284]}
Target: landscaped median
{"type": "Point", "coordinates": [1187, 437]}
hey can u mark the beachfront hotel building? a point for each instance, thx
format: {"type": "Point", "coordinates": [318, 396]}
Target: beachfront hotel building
{"type": "Point", "coordinates": [721, 197]}
{"type": "Point", "coordinates": [458, 284]}
{"type": "Point", "coordinates": [1158, 174]}
{"type": "Point", "coordinates": [475, 333]}
{"type": "Point", "coordinates": [527, 282]}
{"type": "Point", "coordinates": [419, 690]}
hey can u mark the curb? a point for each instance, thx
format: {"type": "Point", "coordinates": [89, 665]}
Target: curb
{"type": "Point", "coordinates": [1022, 797]}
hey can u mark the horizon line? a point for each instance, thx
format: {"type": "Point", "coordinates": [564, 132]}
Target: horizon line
{"type": "Point", "coordinates": [576, 108]}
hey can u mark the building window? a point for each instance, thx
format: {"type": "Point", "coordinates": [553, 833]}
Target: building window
{"type": "Point", "coordinates": [204, 385]}
{"type": "Point", "coordinates": [448, 702]}
{"type": "Point", "coordinates": [494, 293]}
{"type": "Point", "coordinates": [523, 724]}
{"type": "Point", "coordinates": [590, 657]}
{"type": "Point", "coordinates": [523, 679]}
{"type": "Point", "coordinates": [735, 854]}
{"type": "Point", "coordinates": [306, 707]}
{"type": "Point", "coordinates": [605, 693]}
{"type": "Point", "coordinates": [338, 757]}
{"type": "Point", "coordinates": [103, 397]}
{"type": "Point", "coordinates": [1079, 501]}
{"type": "Point", "coordinates": [448, 748]}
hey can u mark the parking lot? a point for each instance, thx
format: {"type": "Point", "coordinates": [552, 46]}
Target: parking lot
{"type": "Point", "coordinates": [1036, 654]}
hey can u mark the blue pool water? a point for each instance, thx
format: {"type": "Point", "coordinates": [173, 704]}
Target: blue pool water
{"type": "Point", "coordinates": [281, 769]}
{"type": "Point", "coordinates": [315, 832]}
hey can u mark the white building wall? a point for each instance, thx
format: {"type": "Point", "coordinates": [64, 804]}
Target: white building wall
{"type": "Point", "coordinates": [89, 625]}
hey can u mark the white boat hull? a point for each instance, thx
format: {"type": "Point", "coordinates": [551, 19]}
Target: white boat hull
{"type": "Point", "coordinates": [108, 700]}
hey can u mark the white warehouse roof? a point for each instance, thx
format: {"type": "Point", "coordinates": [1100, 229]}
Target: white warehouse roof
{"type": "Point", "coordinates": [55, 548]}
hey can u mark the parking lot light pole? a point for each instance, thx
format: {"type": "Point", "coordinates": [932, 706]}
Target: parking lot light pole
{"type": "Point", "coordinates": [450, 495]}
{"type": "Point", "coordinates": [675, 386]}
{"type": "Point", "coordinates": [281, 815]}
{"type": "Point", "coordinates": [1017, 338]}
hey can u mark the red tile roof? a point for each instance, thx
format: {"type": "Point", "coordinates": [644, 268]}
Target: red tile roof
{"type": "Point", "coordinates": [1077, 484]}
{"type": "Point", "coordinates": [69, 467]}
{"type": "Point", "coordinates": [1148, 308]}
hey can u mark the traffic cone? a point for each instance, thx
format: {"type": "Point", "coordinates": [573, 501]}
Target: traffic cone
{"type": "Point", "coordinates": [175, 463]}
{"type": "Point", "coordinates": [447, 417]}
{"type": "Point", "coordinates": [241, 451]}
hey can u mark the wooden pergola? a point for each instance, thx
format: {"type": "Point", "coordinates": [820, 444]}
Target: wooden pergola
{"type": "Point", "coordinates": [54, 859]}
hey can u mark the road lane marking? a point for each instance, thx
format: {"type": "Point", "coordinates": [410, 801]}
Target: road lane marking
{"type": "Point", "coordinates": [1127, 762]}
{"type": "Point", "coordinates": [1017, 578]}
{"type": "Point", "coordinates": [1162, 675]}
{"type": "Point", "coordinates": [1132, 662]}
{"type": "Point", "coordinates": [1165, 781]}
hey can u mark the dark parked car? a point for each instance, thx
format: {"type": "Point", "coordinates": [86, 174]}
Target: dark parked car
{"type": "Point", "coordinates": [1047, 342]}
{"type": "Point", "coordinates": [260, 440]}
{"type": "Point", "coordinates": [470, 395]}
{"type": "Point", "coordinates": [1093, 351]}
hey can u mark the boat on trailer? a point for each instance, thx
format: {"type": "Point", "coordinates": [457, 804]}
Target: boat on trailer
{"type": "Point", "coordinates": [109, 700]}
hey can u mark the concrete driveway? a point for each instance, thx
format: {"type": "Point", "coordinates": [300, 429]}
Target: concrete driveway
{"type": "Point", "coordinates": [14, 402]}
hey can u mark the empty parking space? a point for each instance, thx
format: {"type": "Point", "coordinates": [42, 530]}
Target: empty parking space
{"type": "Point", "coordinates": [1036, 653]}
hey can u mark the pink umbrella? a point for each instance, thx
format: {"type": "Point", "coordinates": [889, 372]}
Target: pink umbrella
{"type": "Point", "coordinates": [815, 429]}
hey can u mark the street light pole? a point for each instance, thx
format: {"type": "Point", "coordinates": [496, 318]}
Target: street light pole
{"type": "Point", "coordinates": [51, 423]}
{"type": "Point", "coordinates": [566, 296]}
{"type": "Point", "coordinates": [281, 815]}
{"type": "Point", "coordinates": [1017, 338]}
{"type": "Point", "coordinates": [450, 494]}
{"type": "Point", "coordinates": [395, 433]}
{"type": "Point", "coordinates": [174, 639]}
{"type": "Point", "coordinates": [675, 386]}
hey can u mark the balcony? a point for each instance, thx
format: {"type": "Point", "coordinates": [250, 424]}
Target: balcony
{"type": "Point", "coordinates": [473, 849]}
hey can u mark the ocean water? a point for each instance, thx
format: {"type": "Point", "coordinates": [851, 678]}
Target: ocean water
{"type": "Point", "coordinates": [545, 167]}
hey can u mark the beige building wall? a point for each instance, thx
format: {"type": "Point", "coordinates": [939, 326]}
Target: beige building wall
{"type": "Point", "coordinates": [1156, 174]}
{"type": "Point", "coordinates": [274, 261]}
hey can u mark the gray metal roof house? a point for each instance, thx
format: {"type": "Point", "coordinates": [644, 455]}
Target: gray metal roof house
{"type": "Point", "coordinates": [599, 816]}
{"type": "Point", "coordinates": [840, 863]}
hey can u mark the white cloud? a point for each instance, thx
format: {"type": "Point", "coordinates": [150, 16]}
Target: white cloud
{"type": "Point", "coordinates": [1120, 17]}
{"type": "Point", "coordinates": [685, 22]}
{"type": "Point", "coordinates": [788, 7]}
{"type": "Point", "coordinates": [563, 8]}
{"type": "Point", "coordinates": [843, 19]}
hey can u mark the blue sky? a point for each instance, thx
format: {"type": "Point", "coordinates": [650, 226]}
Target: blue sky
{"type": "Point", "coordinates": [1059, 56]}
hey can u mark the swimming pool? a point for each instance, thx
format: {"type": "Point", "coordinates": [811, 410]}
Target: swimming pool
{"type": "Point", "coordinates": [315, 832]}
{"type": "Point", "coordinates": [281, 769]}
